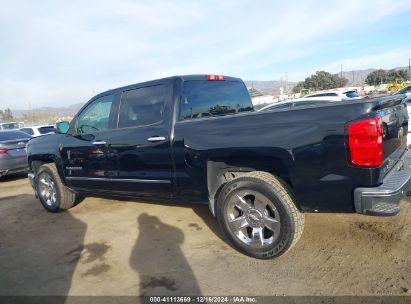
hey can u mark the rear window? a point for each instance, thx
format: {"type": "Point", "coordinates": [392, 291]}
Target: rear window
{"type": "Point", "coordinates": [323, 95]}
{"type": "Point", "coordinates": [45, 130]}
{"type": "Point", "coordinates": [279, 106]}
{"type": "Point", "coordinates": [352, 94]}
{"type": "Point", "coordinates": [10, 135]}
{"type": "Point", "coordinates": [9, 126]}
{"type": "Point", "coordinates": [213, 98]}
{"type": "Point", "coordinates": [308, 103]}
{"type": "Point", "coordinates": [28, 131]}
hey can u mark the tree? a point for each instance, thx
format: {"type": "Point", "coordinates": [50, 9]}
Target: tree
{"type": "Point", "coordinates": [382, 76]}
{"type": "Point", "coordinates": [377, 77]}
{"type": "Point", "coordinates": [397, 74]}
{"type": "Point", "coordinates": [321, 80]}
{"type": "Point", "coordinates": [298, 87]}
{"type": "Point", "coordinates": [6, 115]}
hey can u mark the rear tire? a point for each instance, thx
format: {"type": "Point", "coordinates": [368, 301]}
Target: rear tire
{"type": "Point", "coordinates": [258, 215]}
{"type": "Point", "coordinates": [52, 193]}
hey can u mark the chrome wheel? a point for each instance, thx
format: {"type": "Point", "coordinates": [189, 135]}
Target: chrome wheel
{"type": "Point", "coordinates": [47, 189]}
{"type": "Point", "coordinates": [253, 218]}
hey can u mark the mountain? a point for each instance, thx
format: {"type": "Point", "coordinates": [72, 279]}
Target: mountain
{"type": "Point", "coordinates": [356, 77]}
{"type": "Point", "coordinates": [70, 110]}
{"type": "Point", "coordinates": [269, 86]}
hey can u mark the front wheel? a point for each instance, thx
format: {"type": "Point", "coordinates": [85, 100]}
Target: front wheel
{"type": "Point", "coordinates": [258, 215]}
{"type": "Point", "coordinates": [52, 193]}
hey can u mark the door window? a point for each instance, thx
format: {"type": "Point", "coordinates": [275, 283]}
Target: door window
{"type": "Point", "coordinates": [143, 106]}
{"type": "Point", "coordinates": [95, 117]}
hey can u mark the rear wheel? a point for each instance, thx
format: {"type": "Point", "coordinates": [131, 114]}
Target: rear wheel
{"type": "Point", "coordinates": [258, 215]}
{"type": "Point", "coordinates": [52, 193]}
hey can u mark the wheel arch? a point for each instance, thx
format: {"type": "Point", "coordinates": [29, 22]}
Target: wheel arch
{"type": "Point", "coordinates": [36, 161]}
{"type": "Point", "coordinates": [222, 170]}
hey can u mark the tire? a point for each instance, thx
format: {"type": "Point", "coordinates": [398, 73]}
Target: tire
{"type": "Point", "coordinates": [52, 193]}
{"type": "Point", "coordinates": [257, 213]}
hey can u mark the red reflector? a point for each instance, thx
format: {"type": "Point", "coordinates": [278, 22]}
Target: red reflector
{"type": "Point", "coordinates": [3, 151]}
{"type": "Point", "coordinates": [215, 77]}
{"type": "Point", "coordinates": [365, 142]}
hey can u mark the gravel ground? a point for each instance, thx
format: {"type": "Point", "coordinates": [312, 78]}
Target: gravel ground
{"type": "Point", "coordinates": [112, 247]}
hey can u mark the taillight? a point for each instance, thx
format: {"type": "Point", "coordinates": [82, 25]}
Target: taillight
{"type": "Point", "coordinates": [215, 77]}
{"type": "Point", "coordinates": [3, 151]}
{"type": "Point", "coordinates": [365, 142]}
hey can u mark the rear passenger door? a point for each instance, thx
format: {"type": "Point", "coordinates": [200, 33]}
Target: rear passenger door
{"type": "Point", "coordinates": [140, 146]}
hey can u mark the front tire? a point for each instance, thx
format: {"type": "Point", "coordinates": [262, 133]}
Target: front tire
{"type": "Point", "coordinates": [52, 193]}
{"type": "Point", "coordinates": [258, 215]}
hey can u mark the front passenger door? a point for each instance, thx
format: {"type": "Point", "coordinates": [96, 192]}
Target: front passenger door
{"type": "Point", "coordinates": [84, 152]}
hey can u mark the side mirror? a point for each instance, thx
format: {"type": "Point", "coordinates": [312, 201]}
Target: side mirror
{"type": "Point", "coordinates": [62, 127]}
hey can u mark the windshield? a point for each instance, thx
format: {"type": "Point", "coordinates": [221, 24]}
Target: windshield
{"type": "Point", "coordinates": [213, 98]}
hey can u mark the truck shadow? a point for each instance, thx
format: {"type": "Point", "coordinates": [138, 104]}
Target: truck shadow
{"type": "Point", "coordinates": [201, 210]}
{"type": "Point", "coordinates": [39, 251]}
{"type": "Point", "coordinates": [158, 259]}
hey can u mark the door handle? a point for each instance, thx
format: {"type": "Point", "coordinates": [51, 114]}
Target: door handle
{"type": "Point", "coordinates": [156, 138]}
{"type": "Point", "coordinates": [99, 143]}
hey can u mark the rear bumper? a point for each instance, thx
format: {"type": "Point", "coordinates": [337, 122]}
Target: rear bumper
{"type": "Point", "coordinates": [4, 172]}
{"type": "Point", "coordinates": [384, 200]}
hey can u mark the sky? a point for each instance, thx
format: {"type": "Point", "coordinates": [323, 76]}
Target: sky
{"type": "Point", "coordinates": [57, 53]}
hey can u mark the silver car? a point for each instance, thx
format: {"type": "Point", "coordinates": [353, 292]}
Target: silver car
{"type": "Point", "coordinates": [13, 152]}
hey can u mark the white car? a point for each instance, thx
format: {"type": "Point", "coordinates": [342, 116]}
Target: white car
{"type": "Point", "coordinates": [335, 95]}
{"type": "Point", "coordinates": [408, 103]}
{"type": "Point", "coordinates": [295, 103]}
{"type": "Point", "coordinates": [38, 130]}
{"type": "Point", "coordinates": [406, 91]}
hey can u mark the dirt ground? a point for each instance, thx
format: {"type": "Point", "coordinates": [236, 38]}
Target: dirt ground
{"type": "Point", "coordinates": [111, 247]}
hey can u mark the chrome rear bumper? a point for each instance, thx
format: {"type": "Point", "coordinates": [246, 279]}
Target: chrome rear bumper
{"type": "Point", "coordinates": [384, 200]}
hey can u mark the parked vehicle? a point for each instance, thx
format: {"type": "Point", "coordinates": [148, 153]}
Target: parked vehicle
{"type": "Point", "coordinates": [406, 91]}
{"type": "Point", "coordinates": [38, 130]}
{"type": "Point", "coordinates": [197, 139]}
{"type": "Point", "coordinates": [335, 95]}
{"type": "Point", "coordinates": [408, 103]}
{"type": "Point", "coordinates": [11, 125]}
{"type": "Point", "coordinates": [296, 103]}
{"type": "Point", "coordinates": [13, 152]}
{"type": "Point", "coordinates": [396, 86]}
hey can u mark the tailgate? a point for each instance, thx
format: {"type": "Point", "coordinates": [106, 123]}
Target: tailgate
{"type": "Point", "coordinates": [394, 116]}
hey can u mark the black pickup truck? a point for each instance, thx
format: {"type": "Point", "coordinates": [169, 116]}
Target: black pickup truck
{"type": "Point", "coordinates": [197, 139]}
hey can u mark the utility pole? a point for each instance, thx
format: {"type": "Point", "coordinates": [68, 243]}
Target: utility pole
{"type": "Point", "coordinates": [341, 71]}
{"type": "Point", "coordinates": [286, 82]}
{"type": "Point", "coordinates": [409, 69]}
